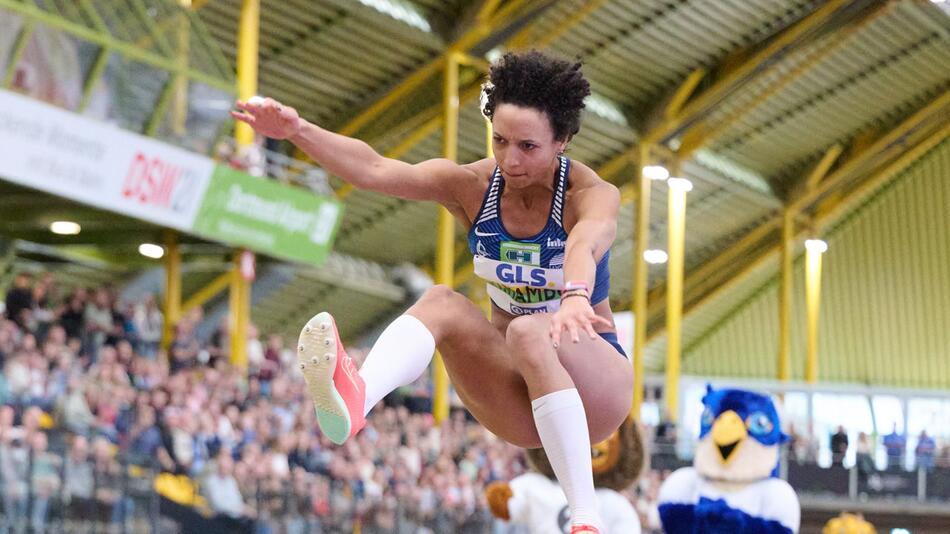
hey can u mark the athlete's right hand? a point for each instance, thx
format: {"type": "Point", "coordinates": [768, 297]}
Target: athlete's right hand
{"type": "Point", "coordinates": [269, 117]}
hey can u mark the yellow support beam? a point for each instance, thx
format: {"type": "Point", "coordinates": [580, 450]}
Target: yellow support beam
{"type": "Point", "coordinates": [813, 303]}
{"type": "Point", "coordinates": [708, 99]}
{"type": "Point", "coordinates": [526, 37]}
{"type": "Point", "coordinates": [486, 10]}
{"type": "Point", "coordinates": [833, 212]}
{"type": "Point", "coordinates": [445, 250]}
{"type": "Point", "coordinates": [171, 304]}
{"type": "Point", "coordinates": [705, 280]}
{"type": "Point", "coordinates": [682, 94]}
{"type": "Point", "coordinates": [239, 313]}
{"type": "Point", "coordinates": [880, 177]}
{"type": "Point", "coordinates": [180, 102]}
{"type": "Point", "coordinates": [700, 134]}
{"type": "Point", "coordinates": [936, 112]}
{"type": "Point", "coordinates": [424, 130]}
{"type": "Point", "coordinates": [206, 293]}
{"type": "Point", "coordinates": [676, 233]}
{"type": "Point", "coordinates": [784, 365]}
{"type": "Point", "coordinates": [821, 170]}
{"type": "Point", "coordinates": [249, 32]}
{"type": "Point", "coordinates": [692, 111]}
{"type": "Point", "coordinates": [641, 236]}
{"type": "Point", "coordinates": [470, 38]}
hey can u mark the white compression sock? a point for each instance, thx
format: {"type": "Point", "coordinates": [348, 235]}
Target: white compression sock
{"type": "Point", "coordinates": [400, 355]}
{"type": "Point", "coordinates": [562, 426]}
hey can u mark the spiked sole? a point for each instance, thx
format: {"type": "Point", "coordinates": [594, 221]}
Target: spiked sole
{"type": "Point", "coordinates": [317, 358]}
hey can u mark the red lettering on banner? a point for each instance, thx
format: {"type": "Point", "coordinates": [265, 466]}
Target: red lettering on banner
{"type": "Point", "coordinates": [151, 181]}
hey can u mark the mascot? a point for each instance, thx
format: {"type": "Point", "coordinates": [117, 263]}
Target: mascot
{"type": "Point", "coordinates": [733, 485]}
{"type": "Point", "coordinates": [536, 501]}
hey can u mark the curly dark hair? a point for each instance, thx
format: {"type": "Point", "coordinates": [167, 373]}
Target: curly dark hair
{"type": "Point", "coordinates": [535, 80]}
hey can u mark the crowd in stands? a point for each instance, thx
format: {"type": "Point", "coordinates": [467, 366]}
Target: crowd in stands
{"type": "Point", "coordinates": [91, 409]}
{"type": "Point", "coordinates": [86, 393]}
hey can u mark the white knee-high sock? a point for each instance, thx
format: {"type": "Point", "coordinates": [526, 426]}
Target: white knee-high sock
{"type": "Point", "coordinates": [562, 426]}
{"type": "Point", "coordinates": [399, 357]}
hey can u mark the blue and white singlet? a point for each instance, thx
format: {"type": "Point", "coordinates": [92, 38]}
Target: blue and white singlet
{"type": "Point", "coordinates": [526, 275]}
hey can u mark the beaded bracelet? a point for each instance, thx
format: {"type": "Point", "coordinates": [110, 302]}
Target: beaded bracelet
{"type": "Point", "coordinates": [575, 293]}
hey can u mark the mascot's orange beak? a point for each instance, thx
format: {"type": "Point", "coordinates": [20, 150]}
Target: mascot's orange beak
{"type": "Point", "coordinates": [604, 455]}
{"type": "Point", "coordinates": [728, 432]}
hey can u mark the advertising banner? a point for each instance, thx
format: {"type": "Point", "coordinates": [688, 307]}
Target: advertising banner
{"type": "Point", "coordinates": [46, 148]}
{"type": "Point", "coordinates": [267, 217]}
{"type": "Point", "coordinates": [59, 152]}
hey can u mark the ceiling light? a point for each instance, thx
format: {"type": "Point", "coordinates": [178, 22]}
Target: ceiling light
{"type": "Point", "coordinates": [816, 245]}
{"type": "Point", "coordinates": [150, 250]}
{"type": "Point", "coordinates": [655, 256]}
{"type": "Point", "coordinates": [680, 184]}
{"type": "Point", "coordinates": [64, 228]}
{"type": "Point", "coordinates": [656, 172]}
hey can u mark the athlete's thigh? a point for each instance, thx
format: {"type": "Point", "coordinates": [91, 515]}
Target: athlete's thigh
{"type": "Point", "coordinates": [477, 361]}
{"type": "Point", "coordinates": [604, 380]}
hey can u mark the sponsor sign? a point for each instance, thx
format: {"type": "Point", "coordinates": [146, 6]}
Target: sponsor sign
{"type": "Point", "coordinates": [267, 217]}
{"type": "Point", "coordinates": [84, 160]}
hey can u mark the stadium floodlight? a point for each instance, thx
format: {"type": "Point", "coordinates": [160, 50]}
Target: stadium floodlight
{"type": "Point", "coordinates": [655, 256]}
{"type": "Point", "coordinates": [680, 184]}
{"type": "Point", "coordinates": [65, 228]}
{"type": "Point", "coordinates": [816, 245]}
{"type": "Point", "coordinates": [656, 172]}
{"type": "Point", "coordinates": [150, 250]}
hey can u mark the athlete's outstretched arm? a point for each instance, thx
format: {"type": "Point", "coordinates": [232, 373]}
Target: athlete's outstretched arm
{"type": "Point", "coordinates": [588, 241]}
{"type": "Point", "coordinates": [353, 160]}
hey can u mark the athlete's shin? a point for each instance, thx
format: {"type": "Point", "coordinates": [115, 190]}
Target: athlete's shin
{"type": "Point", "coordinates": [401, 354]}
{"type": "Point", "coordinates": [562, 426]}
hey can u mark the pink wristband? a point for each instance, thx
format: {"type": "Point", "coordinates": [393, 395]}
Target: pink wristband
{"type": "Point", "coordinates": [576, 284]}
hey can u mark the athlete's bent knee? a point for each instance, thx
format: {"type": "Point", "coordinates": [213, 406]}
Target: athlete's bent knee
{"type": "Point", "coordinates": [529, 341]}
{"type": "Point", "coordinates": [439, 309]}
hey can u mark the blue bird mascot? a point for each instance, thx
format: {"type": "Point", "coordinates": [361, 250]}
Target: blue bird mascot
{"type": "Point", "coordinates": [733, 485]}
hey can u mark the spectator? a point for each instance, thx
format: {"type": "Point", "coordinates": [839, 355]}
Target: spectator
{"type": "Point", "coordinates": [839, 446]}
{"type": "Point", "coordinates": [863, 459]}
{"type": "Point", "coordinates": [924, 452]}
{"type": "Point", "coordinates": [98, 322]}
{"type": "Point", "coordinates": [895, 444]}
{"type": "Point", "coordinates": [79, 482]}
{"type": "Point", "coordinates": [14, 469]}
{"type": "Point", "coordinates": [19, 301]}
{"type": "Point", "coordinates": [73, 317]}
{"type": "Point", "coordinates": [224, 497]}
{"type": "Point", "coordinates": [148, 322]}
{"type": "Point", "coordinates": [44, 480]}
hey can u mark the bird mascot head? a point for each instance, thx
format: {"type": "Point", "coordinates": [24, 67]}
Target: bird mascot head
{"type": "Point", "coordinates": [739, 438]}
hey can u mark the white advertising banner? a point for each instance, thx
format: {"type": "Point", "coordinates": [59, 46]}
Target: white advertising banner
{"type": "Point", "coordinates": [60, 152]}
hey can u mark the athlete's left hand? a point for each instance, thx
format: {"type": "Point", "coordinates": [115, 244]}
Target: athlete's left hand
{"type": "Point", "coordinates": [575, 314]}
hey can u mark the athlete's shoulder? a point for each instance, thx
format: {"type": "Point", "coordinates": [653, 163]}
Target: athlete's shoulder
{"type": "Point", "coordinates": [481, 171]}
{"type": "Point", "coordinates": [585, 179]}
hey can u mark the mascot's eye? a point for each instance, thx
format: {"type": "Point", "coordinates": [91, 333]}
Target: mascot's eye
{"type": "Point", "coordinates": [708, 418]}
{"type": "Point", "coordinates": [759, 423]}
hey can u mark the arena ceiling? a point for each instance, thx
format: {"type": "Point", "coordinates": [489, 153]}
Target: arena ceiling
{"type": "Point", "coordinates": [753, 96]}
{"type": "Point", "coordinates": [761, 104]}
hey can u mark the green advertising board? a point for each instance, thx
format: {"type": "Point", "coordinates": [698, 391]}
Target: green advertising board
{"type": "Point", "coordinates": [268, 217]}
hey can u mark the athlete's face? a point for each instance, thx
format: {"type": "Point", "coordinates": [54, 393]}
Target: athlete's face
{"type": "Point", "coordinates": [524, 145]}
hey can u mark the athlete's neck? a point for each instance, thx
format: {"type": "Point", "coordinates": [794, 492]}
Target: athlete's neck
{"type": "Point", "coordinates": [540, 189]}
